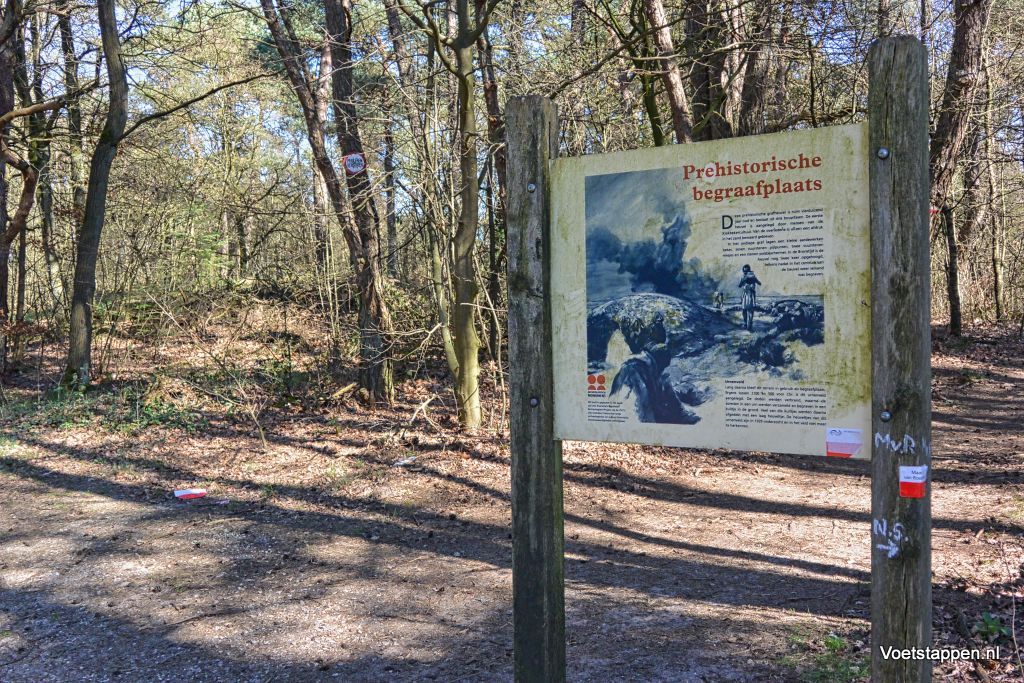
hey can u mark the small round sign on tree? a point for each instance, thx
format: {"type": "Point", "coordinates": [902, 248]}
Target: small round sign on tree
{"type": "Point", "coordinates": [355, 163]}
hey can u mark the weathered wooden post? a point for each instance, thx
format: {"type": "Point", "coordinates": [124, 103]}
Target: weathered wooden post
{"type": "Point", "coordinates": [538, 583]}
{"type": "Point", "coordinates": [901, 360]}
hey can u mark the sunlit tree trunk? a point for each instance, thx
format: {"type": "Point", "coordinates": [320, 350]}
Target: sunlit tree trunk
{"type": "Point", "coordinates": [970, 18]}
{"type": "Point", "coordinates": [461, 38]}
{"type": "Point", "coordinates": [71, 84]}
{"type": "Point", "coordinates": [682, 121]}
{"type": "Point", "coordinates": [467, 342]}
{"type": "Point", "coordinates": [376, 373]}
{"type": "Point", "coordinates": [77, 372]}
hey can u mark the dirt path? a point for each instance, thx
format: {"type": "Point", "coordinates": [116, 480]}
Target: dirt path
{"type": "Point", "coordinates": [318, 559]}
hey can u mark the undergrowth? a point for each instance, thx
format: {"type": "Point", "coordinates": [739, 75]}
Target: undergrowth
{"type": "Point", "coordinates": [831, 659]}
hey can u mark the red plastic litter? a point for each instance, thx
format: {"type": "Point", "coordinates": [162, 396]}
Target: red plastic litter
{"type": "Point", "coordinates": [189, 494]}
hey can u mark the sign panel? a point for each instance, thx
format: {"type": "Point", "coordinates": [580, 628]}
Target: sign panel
{"type": "Point", "coordinates": [716, 295]}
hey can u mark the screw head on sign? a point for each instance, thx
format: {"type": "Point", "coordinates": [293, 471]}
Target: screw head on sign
{"type": "Point", "coordinates": [531, 188]}
{"type": "Point", "coordinates": [885, 416]}
{"type": "Point", "coordinates": [883, 152]}
{"type": "Point", "coordinates": [534, 402]}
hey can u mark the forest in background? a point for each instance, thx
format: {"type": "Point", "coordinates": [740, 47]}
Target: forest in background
{"type": "Point", "coordinates": [173, 168]}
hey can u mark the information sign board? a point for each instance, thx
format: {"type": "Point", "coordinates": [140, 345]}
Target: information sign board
{"type": "Point", "coordinates": [716, 295]}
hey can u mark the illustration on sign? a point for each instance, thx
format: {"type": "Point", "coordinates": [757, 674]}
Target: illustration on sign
{"type": "Point", "coordinates": [719, 292]}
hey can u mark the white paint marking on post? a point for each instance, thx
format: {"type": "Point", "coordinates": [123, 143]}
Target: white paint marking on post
{"type": "Point", "coordinates": [892, 537]}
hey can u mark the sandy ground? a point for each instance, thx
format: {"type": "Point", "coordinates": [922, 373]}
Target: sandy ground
{"type": "Point", "coordinates": [316, 558]}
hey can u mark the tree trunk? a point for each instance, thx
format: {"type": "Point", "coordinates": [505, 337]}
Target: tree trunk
{"type": "Point", "coordinates": [641, 54]}
{"type": "Point", "coordinates": [467, 343]}
{"type": "Point", "coordinates": [975, 201]}
{"type": "Point", "coordinates": [996, 258]}
{"type": "Point", "coordinates": [320, 213]}
{"type": "Point", "coordinates": [320, 200]}
{"type": "Point", "coordinates": [241, 263]}
{"type": "Point", "coordinates": [376, 374]}
{"type": "Point", "coordinates": [705, 28]}
{"type": "Point", "coordinates": [389, 199]}
{"type": "Point", "coordinates": [493, 258]}
{"type": "Point", "coordinates": [441, 301]}
{"type": "Point", "coordinates": [39, 158]}
{"type": "Point", "coordinates": [16, 228]}
{"type": "Point", "coordinates": [952, 272]}
{"type": "Point", "coordinates": [650, 100]}
{"type": "Point", "coordinates": [578, 21]}
{"type": "Point", "coordinates": [995, 221]}
{"type": "Point", "coordinates": [67, 46]}
{"type": "Point", "coordinates": [885, 22]}
{"type": "Point", "coordinates": [753, 99]}
{"type": "Point", "coordinates": [682, 122]}
{"type": "Point", "coordinates": [495, 201]}
{"type": "Point", "coordinates": [956, 109]}
{"type": "Point", "coordinates": [461, 38]}
{"type": "Point", "coordinates": [429, 194]}
{"type": "Point", "coordinates": [77, 373]}
{"type": "Point", "coordinates": [54, 279]}
{"type": "Point", "coordinates": [965, 65]}
{"type": "Point", "coordinates": [7, 65]}
{"type": "Point", "coordinates": [19, 299]}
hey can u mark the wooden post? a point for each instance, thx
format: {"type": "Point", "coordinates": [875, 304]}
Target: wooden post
{"type": "Point", "coordinates": [901, 610]}
{"type": "Point", "coordinates": [538, 583]}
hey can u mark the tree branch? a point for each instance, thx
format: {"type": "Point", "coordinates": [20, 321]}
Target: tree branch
{"type": "Point", "coordinates": [482, 20]}
{"type": "Point", "coordinates": [30, 177]}
{"type": "Point", "coordinates": [32, 109]}
{"type": "Point", "coordinates": [427, 24]}
{"type": "Point", "coordinates": [803, 116]}
{"type": "Point", "coordinates": [188, 103]}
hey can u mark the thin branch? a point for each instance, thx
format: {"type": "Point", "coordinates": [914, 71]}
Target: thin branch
{"type": "Point", "coordinates": [803, 116]}
{"type": "Point", "coordinates": [481, 24]}
{"type": "Point", "coordinates": [428, 26]}
{"type": "Point", "coordinates": [188, 103]}
{"type": "Point", "coordinates": [32, 109]}
{"type": "Point", "coordinates": [30, 177]}
{"type": "Point", "coordinates": [589, 71]}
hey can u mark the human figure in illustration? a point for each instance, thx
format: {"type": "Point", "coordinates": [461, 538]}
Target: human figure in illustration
{"type": "Point", "coordinates": [749, 284]}
{"type": "Point", "coordinates": [719, 300]}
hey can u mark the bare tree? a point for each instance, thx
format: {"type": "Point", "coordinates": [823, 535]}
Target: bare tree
{"type": "Point", "coordinates": [962, 77]}
{"type": "Point", "coordinates": [375, 375]}
{"type": "Point", "coordinates": [461, 65]}
{"type": "Point", "coordinates": [77, 372]}
{"type": "Point", "coordinates": [682, 122]}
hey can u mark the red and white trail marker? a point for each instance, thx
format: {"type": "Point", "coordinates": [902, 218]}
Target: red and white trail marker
{"type": "Point", "coordinates": [842, 443]}
{"type": "Point", "coordinates": [913, 480]}
{"type": "Point", "coordinates": [189, 494]}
